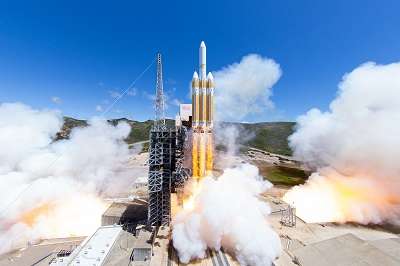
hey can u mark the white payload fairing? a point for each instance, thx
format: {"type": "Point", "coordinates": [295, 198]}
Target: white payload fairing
{"type": "Point", "coordinates": [202, 118]}
{"type": "Point", "coordinates": [202, 95]}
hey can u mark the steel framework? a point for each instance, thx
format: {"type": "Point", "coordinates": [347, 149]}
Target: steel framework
{"type": "Point", "coordinates": [159, 121]}
{"type": "Point", "coordinates": [166, 155]}
{"type": "Point", "coordinates": [181, 174]}
{"type": "Point", "coordinates": [161, 167]}
{"type": "Point", "coordinates": [288, 216]}
{"type": "Point", "coordinates": [161, 160]}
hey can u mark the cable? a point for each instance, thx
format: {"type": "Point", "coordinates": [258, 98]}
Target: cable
{"type": "Point", "coordinates": [129, 87]}
{"type": "Point", "coordinates": [7, 206]}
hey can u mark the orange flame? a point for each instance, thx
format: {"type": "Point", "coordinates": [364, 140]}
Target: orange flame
{"type": "Point", "coordinates": [202, 155]}
{"type": "Point", "coordinates": [337, 198]}
{"type": "Point", "coordinates": [194, 189]}
{"type": "Point", "coordinates": [30, 217]}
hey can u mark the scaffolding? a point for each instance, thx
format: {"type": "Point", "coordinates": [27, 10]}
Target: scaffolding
{"type": "Point", "coordinates": [161, 168]}
{"type": "Point", "coordinates": [166, 156]}
{"type": "Point", "coordinates": [181, 174]}
{"type": "Point", "coordinates": [161, 160]}
{"type": "Point", "coordinates": [288, 216]}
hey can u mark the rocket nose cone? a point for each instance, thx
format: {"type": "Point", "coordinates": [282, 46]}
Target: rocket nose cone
{"type": "Point", "coordinates": [195, 75]}
{"type": "Point", "coordinates": [202, 44]}
{"type": "Point", "coordinates": [210, 76]}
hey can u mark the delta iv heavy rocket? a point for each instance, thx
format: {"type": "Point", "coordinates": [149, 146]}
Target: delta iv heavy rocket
{"type": "Point", "coordinates": [202, 118]}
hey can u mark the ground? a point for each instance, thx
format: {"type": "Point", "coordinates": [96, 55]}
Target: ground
{"type": "Point", "coordinates": [331, 243]}
{"type": "Point", "coordinates": [303, 244]}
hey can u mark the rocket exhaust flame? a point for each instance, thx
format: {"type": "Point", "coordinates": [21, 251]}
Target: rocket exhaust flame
{"type": "Point", "coordinates": [31, 216]}
{"type": "Point", "coordinates": [337, 198]}
{"type": "Point", "coordinates": [202, 154]}
{"type": "Point", "coordinates": [354, 148]}
{"type": "Point", "coordinates": [63, 199]}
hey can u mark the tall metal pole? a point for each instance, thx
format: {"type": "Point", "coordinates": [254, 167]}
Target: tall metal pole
{"type": "Point", "coordinates": [159, 121]}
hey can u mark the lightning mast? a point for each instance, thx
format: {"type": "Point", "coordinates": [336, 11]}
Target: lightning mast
{"type": "Point", "coordinates": [159, 121]}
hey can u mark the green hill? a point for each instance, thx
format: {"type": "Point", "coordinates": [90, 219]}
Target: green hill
{"type": "Point", "coordinates": [270, 136]}
{"type": "Point", "coordinates": [267, 136]}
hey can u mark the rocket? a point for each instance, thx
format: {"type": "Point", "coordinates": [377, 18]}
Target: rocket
{"type": "Point", "coordinates": [202, 118]}
{"type": "Point", "coordinates": [202, 95]}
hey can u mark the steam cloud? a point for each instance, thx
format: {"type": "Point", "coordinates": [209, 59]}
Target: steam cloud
{"type": "Point", "coordinates": [246, 87]}
{"type": "Point", "coordinates": [355, 148]}
{"type": "Point", "coordinates": [227, 213]}
{"type": "Point", "coordinates": [60, 182]}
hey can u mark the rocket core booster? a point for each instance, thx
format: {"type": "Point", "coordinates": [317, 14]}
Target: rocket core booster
{"type": "Point", "coordinates": [203, 116]}
{"type": "Point", "coordinates": [202, 95]}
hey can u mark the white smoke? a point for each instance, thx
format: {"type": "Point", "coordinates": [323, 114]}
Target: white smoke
{"type": "Point", "coordinates": [51, 188]}
{"type": "Point", "coordinates": [227, 213]}
{"type": "Point", "coordinates": [245, 88]}
{"type": "Point", "coordinates": [226, 136]}
{"type": "Point", "coordinates": [355, 148]}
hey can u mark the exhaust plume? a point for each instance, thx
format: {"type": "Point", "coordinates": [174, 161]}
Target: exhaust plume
{"type": "Point", "coordinates": [226, 212]}
{"type": "Point", "coordinates": [246, 87]}
{"type": "Point", "coordinates": [53, 188]}
{"type": "Point", "coordinates": [354, 148]}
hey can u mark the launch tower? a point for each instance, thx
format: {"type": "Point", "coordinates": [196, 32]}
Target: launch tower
{"type": "Point", "coordinates": [166, 155]}
{"type": "Point", "coordinates": [161, 159]}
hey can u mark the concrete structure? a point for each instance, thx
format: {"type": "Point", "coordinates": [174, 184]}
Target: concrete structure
{"type": "Point", "coordinates": [332, 244]}
{"type": "Point", "coordinates": [185, 111]}
{"type": "Point", "coordinates": [143, 246]}
{"type": "Point", "coordinates": [345, 250]}
{"type": "Point", "coordinates": [184, 118]}
{"type": "Point", "coordinates": [132, 212]}
{"type": "Point", "coordinates": [95, 249]}
{"type": "Point", "coordinates": [43, 253]}
{"type": "Point", "coordinates": [108, 246]}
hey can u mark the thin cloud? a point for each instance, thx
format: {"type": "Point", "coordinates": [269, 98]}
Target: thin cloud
{"type": "Point", "coordinates": [114, 94]}
{"type": "Point", "coordinates": [132, 92]}
{"type": "Point", "coordinates": [176, 102]}
{"type": "Point", "coordinates": [149, 96]}
{"type": "Point", "coordinates": [56, 100]}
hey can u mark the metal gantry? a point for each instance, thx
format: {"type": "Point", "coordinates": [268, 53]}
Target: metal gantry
{"type": "Point", "coordinates": [161, 167]}
{"type": "Point", "coordinates": [159, 121]}
{"type": "Point", "coordinates": [166, 156]}
{"type": "Point", "coordinates": [181, 174]}
{"type": "Point", "coordinates": [288, 216]}
{"type": "Point", "coordinates": [161, 160]}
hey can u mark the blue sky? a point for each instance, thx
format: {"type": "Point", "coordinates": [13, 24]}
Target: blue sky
{"type": "Point", "coordinates": [80, 51]}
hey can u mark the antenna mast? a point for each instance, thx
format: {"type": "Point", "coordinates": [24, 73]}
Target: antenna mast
{"type": "Point", "coordinates": [159, 121]}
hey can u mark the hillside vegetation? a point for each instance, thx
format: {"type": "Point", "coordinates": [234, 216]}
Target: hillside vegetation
{"type": "Point", "coordinates": [267, 136]}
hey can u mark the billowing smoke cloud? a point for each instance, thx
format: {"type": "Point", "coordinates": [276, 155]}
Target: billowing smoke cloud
{"type": "Point", "coordinates": [246, 87]}
{"type": "Point", "coordinates": [227, 213]}
{"type": "Point", "coordinates": [51, 188]}
{"type": "Point", "coordinates": [355, 148]}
